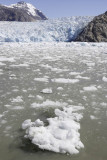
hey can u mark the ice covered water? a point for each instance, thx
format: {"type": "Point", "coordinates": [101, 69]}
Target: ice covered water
{"type": "Point", "coordinates": [53, 101]}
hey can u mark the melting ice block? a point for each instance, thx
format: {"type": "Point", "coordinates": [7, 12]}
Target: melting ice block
{"type": "Point", "coordinates": [60, 135]}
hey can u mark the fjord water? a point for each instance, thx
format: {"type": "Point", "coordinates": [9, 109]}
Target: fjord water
{"type": "Point", "coordinates": [76, 75]}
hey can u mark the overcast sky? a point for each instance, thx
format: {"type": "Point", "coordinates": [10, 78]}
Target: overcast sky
{"type": "Point", "coordinates": [66, 8]}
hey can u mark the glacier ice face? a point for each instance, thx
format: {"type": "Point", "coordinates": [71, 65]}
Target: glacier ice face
{"type": "Point", "coordinates": [63, 29]}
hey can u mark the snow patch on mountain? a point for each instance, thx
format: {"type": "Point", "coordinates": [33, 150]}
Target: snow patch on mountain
{"type": "Point", "coordinates": [27, 6]}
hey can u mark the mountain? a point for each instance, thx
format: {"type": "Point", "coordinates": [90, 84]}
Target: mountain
{"type": "Point", "coordinates": [95, 31]}
{"type": "Point", "coordinates": [21, 11]}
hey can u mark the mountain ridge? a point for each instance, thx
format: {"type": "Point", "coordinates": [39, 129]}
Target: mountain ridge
{"type": "Point", "coordinates": [21, 11]}
{"type": "Point", "coordinates": [95, 31]}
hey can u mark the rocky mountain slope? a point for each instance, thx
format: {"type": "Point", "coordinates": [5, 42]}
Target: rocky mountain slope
{"type": "Point", "coordinates": [23, 12]}
{"type": "Point", "coordinates": [95, 31]}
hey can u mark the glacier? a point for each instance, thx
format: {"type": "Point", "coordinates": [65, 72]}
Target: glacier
{"type": "Point", "coordinates": [52, 30]}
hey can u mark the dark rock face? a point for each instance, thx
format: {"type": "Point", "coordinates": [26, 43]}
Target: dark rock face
{"type": "Point", "coordinates": [96, 31]}
{"type": "Point", "coordinates": [21, 14]}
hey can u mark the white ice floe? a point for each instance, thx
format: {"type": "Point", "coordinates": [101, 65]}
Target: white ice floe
{"type": "Point", "coordinates": [20, 65]}
{"type": "Point", "coordinates": [103, 104]}
{"type": "Point", "coordinates": [63, 80]}
{"type": "Point", "coordinates": [93, 117]}
{"type": "Point", "coordinates": [60, 135]}
{"type": "Point", "coordinates": [81, 77]}
{"type": "Point", "coordinates": [90, 64]}
{"type": "Point", "coordinates": [5, 59]}
{"type": "Point", "coordinates": [17, 99]}
{"type": "Point", "coordinates": [1, 115]}
{"type": "Point", "coordinates": [57, 70]}
{"type": "Point", "coordinates": [48, 103]}
{"type": "Point", "coordinates": [39, 97]}
{"type": "Point", "coordinates": [1, 70]}
{"type": "Point", "coordinates": [74, 73]}
{"type": "Point", "coordinates": [47, 91]}
{"type": "Point", "coordinates": [3, 121]}
{"type": "Point", "coordinates": [31, 96]}
{"type": "Point", "coordinates": [60, 89]}
{"type": "Point", "coordinates": [2, 64]}
{"type": "Point", "coordinates": [41, 79]}
{"type": "Point", "coordinates": [90, 88]}
{"type": "Point", "coordinates": [104, 79]}
{"type": "Point", "coordinates": [14, 107]}
{"type": "Point", "coordinates": [17, 108]}
{"type": "Point", "coordinates": [8, 128]}
{"type": "Point", "coordinates": [15, 90]}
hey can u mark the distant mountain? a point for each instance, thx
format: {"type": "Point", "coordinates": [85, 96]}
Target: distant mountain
{"type": "Point", "coordinates": [21, 11]}
{"type": "Point", "coordinates": [95, 31]}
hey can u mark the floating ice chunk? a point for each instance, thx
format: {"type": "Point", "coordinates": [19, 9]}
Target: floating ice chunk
{"type": "Point", "coordinates": [31, 96]}
{"type": "Point", "coordinates": [47, 91]}
{"type": "Point", "coordinates": [74, 73]}
{"type": "Point", "coordinates": [8, 128]}
{"type": "Point", "coordinates": [70, 101]}
{"type": "Point", "coordinates": [103, 104]}
{"type": "Point", "coordinates": [63, 80]}
{"type": "Point", "coordinates": [20, 65]}
{"type": "Point", "coordinates": [90, 88]}
{"type": "Point", "coordinates": [41, 79]}
{"type": "Point", "coordinates": [2, 64]}
{"type": "Point", "coordinates": [24, 90]}
{"type": "Point", "coordinates": [24, 65]}
{"type": "Point", "coordinates": [15, 90]}
{"type": "Point", "coordinates": [39, 97]}
{"type": "Point", "coordinates": [27, 123]}
{"type": "Point", "coordinates": [17, 99]}
{"type": "Point", "coordinates": [93, 117]}
{"type": "Point", "coordinates": [49, 103]}
{"type": "Point", "coordinates": [46, 66]}
{"type": "Point", "coordinates": [1, 71]}
{"type": "Point", "coordinates": [5, 59]}
{"type": "Point", "coordinates": [1, 115]}
{"type": "Point", "coordinates": [99, 87]}
{"type": "Point", "coordinates": [90, 64]}
{"type": "Point", "coordinates": [104, 79]}
{"type": "Point", "coordinates": [39, 123]}
{"type": "Point", "coordinates": [60, 89]}
{"type": "Point", "coordinates": [17, 108]}
{"type": "Point", "coordinates": [3, 122]}
{"type": "Point", "coordinates": [61, 134]}
{"type": "Point", "coordinates": [80, 77]}
{"type": "Point", "coordinates": [12, 75]}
